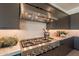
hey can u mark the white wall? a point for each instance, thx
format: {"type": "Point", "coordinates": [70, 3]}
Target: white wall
{"type": "Point", "coordinates": [31, 33]}
{"type": "Point", "coordinates": [11, 33]}
{"type": "Point", "coordinates": [53, 32]}
{"type": "Point", "coordinates": [70, 32]}
{"type": "Point", "coordinates": [28, 30]}
{"type": "Point", "coordinates": [75, 32]}
{"type": "Point", "coordinates": [32, 29]}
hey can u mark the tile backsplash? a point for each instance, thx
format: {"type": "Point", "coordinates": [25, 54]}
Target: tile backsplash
{"type": "Point", "coordinates": [11, 33]}
{"type": "Point", "coordinates": [24, 34]}
{"type": "Point", "coordinates": [75, 32]}
{"type": "Point", "coordinates": [70, 32]}
{"type": "Point", "coordinates": [53, 32]}
{"type": "Point", "coordinates": [32, 29]}
{"type": "Point", "coordinates": [28, 30]}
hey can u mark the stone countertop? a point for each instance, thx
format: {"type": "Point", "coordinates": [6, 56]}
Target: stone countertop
{"type": "Point", "coordinates": [16, 49]}
{"type": "Point", "coordinates": [55, 39]}
{"type": "Point", "coordinates": [33, 50]}
{"type": "Point", "coordinates": [10, 50]}
{"type": "Point", "coordinates": [40, 48]}
{"type": "Point", "coordinates": [62, 38]}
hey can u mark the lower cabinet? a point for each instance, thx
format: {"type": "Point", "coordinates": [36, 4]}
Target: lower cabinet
{"type": "Point", "coordinates": [76, 43]}
{"type": "Point", "coordinates": [65, 47]}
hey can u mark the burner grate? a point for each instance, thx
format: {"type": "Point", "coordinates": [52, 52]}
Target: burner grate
{"type": "Point", "coordinates": [32, 42]}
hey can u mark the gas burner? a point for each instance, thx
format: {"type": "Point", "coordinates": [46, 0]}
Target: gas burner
{"type": "Point", "coordinates": [32, 42]}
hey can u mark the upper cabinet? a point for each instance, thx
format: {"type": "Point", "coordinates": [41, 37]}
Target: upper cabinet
{"type": "Point", "coordinates": [62, 22]}
{"type": "Point", "coordinates": [74, 21]}
{"type": "Point", "coordinates": [9, 15]}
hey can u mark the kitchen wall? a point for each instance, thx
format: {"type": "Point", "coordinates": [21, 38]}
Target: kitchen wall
{"type": "Point", "coordinates": [28, 30]}
{"type": "Point", "coordinates": [11, 33]}
{"type": "Point", "coordinates": [75, 32]}
{"type": "Point", "coordinates": [32, 29]}
{"type": "Point", "coordinates": [31, 33]}
{"type": "Point", "coordinates": [53, 32]}
{"type": "Point", "coordinates": [70, 32]}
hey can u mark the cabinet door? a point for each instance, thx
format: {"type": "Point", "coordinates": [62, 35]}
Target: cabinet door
{"type": "Point", "coordinates": [75, 21]}
{"type": "Point", "coordinates": [48, 53]}
{"type": "Point", "coordinates": [9, 16]}
{"type": "Point", "coordinates": [69, 44]}
{"type": "Point", "coordinates": [65, 47]}
{"type": "Point", "coordinates": [59, 51]}
{"type": "Point", "coordinates": [63, 21]}
{"type": "Point", "coordinates": [76, 43]}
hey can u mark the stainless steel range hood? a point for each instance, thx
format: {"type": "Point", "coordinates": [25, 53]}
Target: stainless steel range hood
{"type": "Point", "coordinates": [37, 12]}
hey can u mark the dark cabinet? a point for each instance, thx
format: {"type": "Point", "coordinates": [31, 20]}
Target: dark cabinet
{"type": "Point", "coordinates": [69, 43]}
{"type": "Point", "coordinates": [62, 22]}
{"type": "Point", "coordinates": [65, 47]}
{"type": "Point", "coordinates": [76, 43]}
{"type": "Point", "coordinates": [9, 16]}
{"type": "Point", "coordinates": [75, 21]}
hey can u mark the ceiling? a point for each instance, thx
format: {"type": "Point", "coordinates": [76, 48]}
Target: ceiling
{"type": "Point", "coordinates": [69, 8]}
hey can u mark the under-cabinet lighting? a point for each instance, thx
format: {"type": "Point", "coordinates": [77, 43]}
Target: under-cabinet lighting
{"type": "Point", "coordinates": [29, 16]}
{"type": "Point", "coordinates": [40, 45]}
{"type": "Point", "coordinates": [22, 8]}
{"type": "Point", "coordinates": [30, 47]}
{"type": "Point", "coordinates": [49, 9]}
{"type": "Point", "coordinates": [49, 16]}
{"type": "Point", "coordinates": [36, 17]}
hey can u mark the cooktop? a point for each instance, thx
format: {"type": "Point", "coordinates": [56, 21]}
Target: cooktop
{"type": "Point", "coordinates": [34, 41]}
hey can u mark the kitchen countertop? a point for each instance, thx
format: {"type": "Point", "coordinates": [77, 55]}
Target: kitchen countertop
{"type": "Point", "coordinates": [33, 50]}
{"type": "Point", "coordinates": [10, 50]}
{"type": "Point", "coordinates": [62, 38]}
{"type": "Point", "coordinates": [31, 47]}
{"type": "Point", "coordinates": [16, 49]}
{"type": "Point", "coordinates": [55, 39]}
{"type": "Point", "coordinates": [40, 48]}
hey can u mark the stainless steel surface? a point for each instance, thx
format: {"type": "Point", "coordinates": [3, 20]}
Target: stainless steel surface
{"type": "Point", "coordinates": [47, 7]}
{"type": "Point", "coordinates": [32, 13]}
{"type": "Point", "coordinates": [32, 42]}
{"type": "Point", "coordinates": [44, 6]}
{"type": "Point", "coordinates": [39, 49]}
{"type": "Point", "coordinates": [41, 14]}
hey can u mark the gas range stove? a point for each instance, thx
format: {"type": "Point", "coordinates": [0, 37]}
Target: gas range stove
{"type": "Point", "coordinates": [32, 42]}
